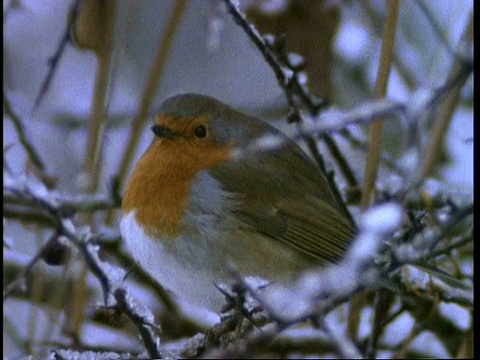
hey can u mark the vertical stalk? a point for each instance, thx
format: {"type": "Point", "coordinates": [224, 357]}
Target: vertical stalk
{"type": "Point", "coordinates": [376, 129]}
{"type": "Point", "coordinates": [375, 145]}
{"type": "Point", "coordinates": [138, 123]}
{"type": "Point", "coordinates": [93, 30]}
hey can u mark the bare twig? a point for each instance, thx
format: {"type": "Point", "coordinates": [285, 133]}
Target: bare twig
{"type": "Point", "coordinates": [385, 158]}
{"type": "Point", "coordinates": [437, 28]}
{"type": "Point", "coordinates": [285, 76]}
{"type": "Point", "coordinates": [457, 244]}
{"type": "Point", "coordinates": [143, 320]}
{"type": "Point", "coordinates": [459, 73]}
{"type": "Point", "coordinates": [37, 217]}
{"type": "Point", "coordinates": [22, 275]}
{"type": "Point", "coordinates": [341, 161]}
{"type": "Point", "coordinates": [54, 60]}
{"type": "Point", "coordinates": [66, 204]}
{"type": "Point", "coordinates": [19, 127]}
{"type": "Point", "coordinates": [330, 121]}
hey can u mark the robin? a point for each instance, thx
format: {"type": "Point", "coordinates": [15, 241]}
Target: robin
{"type": "Point", "coordinates": [191, 207]}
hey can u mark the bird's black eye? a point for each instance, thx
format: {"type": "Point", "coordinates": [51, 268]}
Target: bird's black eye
{"type": "Point", "coordinates": [200, 131]}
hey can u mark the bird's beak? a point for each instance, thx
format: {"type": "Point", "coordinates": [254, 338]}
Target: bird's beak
{"type": "Point", "coordinates": [164, 132]}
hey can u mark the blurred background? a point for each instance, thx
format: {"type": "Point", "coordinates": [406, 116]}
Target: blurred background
{"type": "Point", "coordinates": [54, 99]}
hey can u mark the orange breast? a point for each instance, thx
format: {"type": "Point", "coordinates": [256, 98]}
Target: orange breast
{"type": "Point", "coordinates": [160, 186]}
{"type": "Point", "coordinates": [159, 200]}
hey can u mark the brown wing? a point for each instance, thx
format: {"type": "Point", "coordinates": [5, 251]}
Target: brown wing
{"type": "Point", "coordinates": [288, 200]}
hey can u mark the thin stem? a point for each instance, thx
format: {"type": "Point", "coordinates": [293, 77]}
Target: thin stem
{"type": "Point", "coordinates": [104, 52]}
{"type": "Point", "coordinates": [19, 127]}
{"type": "Point", "coordinates": [445, 114]}
{"type": "Point", "coordinates": [437, 28]}
{"type": "Point", "coordinates": [55, 59]}
{"type": "Point", "coordinates": [150, 89]}
{"type": "Point", "coordinates": [341, 161]}
{"type": "Point", "coordinates": [376, 129]}
{"type": "Point", "coordinates": [22, 275]}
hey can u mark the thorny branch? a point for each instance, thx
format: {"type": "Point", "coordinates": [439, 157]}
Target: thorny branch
{"type": "Point", "coordinates": [109, 277]}
{"type": "Point", "coordinates": [54, 60]}
{"type": "Point", "coordinates": [289, 80]}
{"type": "Point", "coordinates": [19, 127]}
{"type": "Point", "coordinates": [286, 77]}
{"type": "Point", "coordinates": [365, 113]}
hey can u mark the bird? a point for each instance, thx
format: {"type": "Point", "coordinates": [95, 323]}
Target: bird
{"type": "Point", "coordinates": [191, 208]}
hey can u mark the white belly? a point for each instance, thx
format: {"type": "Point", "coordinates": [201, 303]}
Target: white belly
{"type": "Point", "coordinates": [175, 264]}
{"type": "Point", "coordinates": [190, 266]}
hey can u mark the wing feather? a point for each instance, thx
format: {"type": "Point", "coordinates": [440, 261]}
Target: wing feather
{"type": "Point", "coordinates": [286, 198]}
{"type": "Point", "coordinates": [321, 232]}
